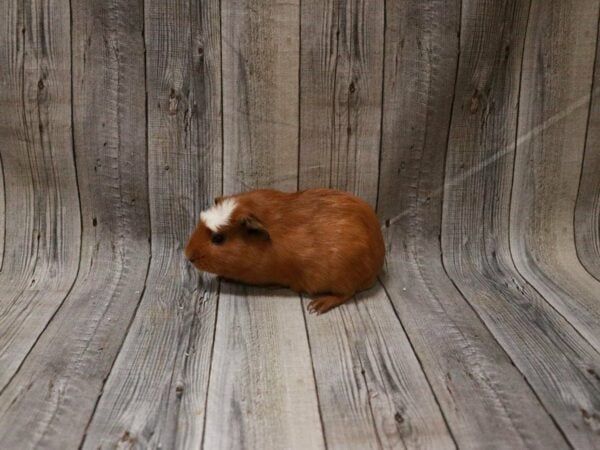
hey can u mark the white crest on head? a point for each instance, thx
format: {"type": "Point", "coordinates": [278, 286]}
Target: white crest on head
{"type": "Point", "coordinates": [219, 215]}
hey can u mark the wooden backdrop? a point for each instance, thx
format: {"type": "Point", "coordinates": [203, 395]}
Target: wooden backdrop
{"type": "Point", "coordinates": [473, 126]}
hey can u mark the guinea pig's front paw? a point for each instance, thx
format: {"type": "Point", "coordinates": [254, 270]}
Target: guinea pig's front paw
{"type": "Point", "coordinates": [323, 304]}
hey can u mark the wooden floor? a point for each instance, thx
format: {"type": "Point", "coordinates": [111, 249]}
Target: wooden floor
{"type": "Point", "coordinates": [472, 126]}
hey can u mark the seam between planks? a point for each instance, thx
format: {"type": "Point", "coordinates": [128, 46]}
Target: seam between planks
{"type": "Point", "coordinates": [443, 264]}
{"type": "Point", "coordinates": [312, 366]}
{"type": "Point", "coordinates": [514, 166]}
{"type": "Point", "coordinates": [199, 301]}
{"type": "Point", "coordinates": [437, 402]}
{"type": "Point", "coordinates": [93, 413]}
{"type": "Point", "coordinates": [212, 352]}
{"type": "Point", "coordinates": [222, 97]}
{"type": "Point", "coordinates": [4, 192]}
{"type": "Point", "coordinates": [560, 430]}
{"type": "Point", "coordinates": [585, 148]}
{"type": "Point", "coordinates": [299, 134]}
{"type": "Point", "coordinates": [59, 306]}
{"type": "Point", "coordinates": [218, 296]}
{"type": "Point", "coordinates": [443, 187]}
{"type": "Point", "coordinates": [334, 102]}
{"type": "Point", "coordinates": [507, 354]}
{"type": "Point", "coordinates": [543, 406]}
{"type": "Point", "coordinates": [380, 147]}
{"type": "Point", "coordinates": [369, 403]}
{"type": "Point", "coordinates": [72, 144]}
{"type": "Point", "coordinates": [364, 379]}
{"type": "Point", "coordinates": [141, 295]}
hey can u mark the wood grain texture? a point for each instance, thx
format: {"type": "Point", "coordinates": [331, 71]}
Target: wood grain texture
{"type": "Point", "coordinates": [42, 232]}
{"type": "Point", "coordinates": [484, 398]}
{"type": "Point", "coordinates": [372, 391]}
{"type": "Point", "coordinates": [421, 54]}
{"type": "Point", "coordinates": [558, 61]}
{"type": "Point", "coordinates": [50, 400]}
{"type": "Point", "coordinates": [262, 392]}
{"type": "Point", "coordinates": [155, 396]}
{"type": "Point", "coordinates": [120, 121]}
{"type": "Point", "coordinates": [556, 361]}
{"type": "Point", "coordinates": [341, 68]}
{"type": "Point", "coordinates": [260, 94]}
{"type": "Point", "coordinates": [2, 214]}
{"type": "Point", "coordinates": [587, 212]}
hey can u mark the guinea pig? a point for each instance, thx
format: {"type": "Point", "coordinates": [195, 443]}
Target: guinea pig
{"type": "Point", "coordinates": [322, 242]}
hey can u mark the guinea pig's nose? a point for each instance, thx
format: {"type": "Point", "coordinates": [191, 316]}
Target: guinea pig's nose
{"type": "Point", "coordinates": [189, 253]}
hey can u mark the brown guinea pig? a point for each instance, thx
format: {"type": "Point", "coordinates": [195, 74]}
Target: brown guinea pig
{"type": "Point", "coordinates": [319, 241]}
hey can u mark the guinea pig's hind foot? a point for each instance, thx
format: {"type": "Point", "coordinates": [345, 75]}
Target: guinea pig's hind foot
{"type": "Point", "coordinates": [323, 304]}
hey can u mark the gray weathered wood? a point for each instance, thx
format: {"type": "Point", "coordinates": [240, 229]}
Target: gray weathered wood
{"type": "Point", "coordinates": [117, 127]}
{"type": "Point", "coordinates": [42, 233]}
{"type": "Point", "coordinates": [156, 393]}
{"type": "Point", "coordinates": [421, 54]}
{"type": "Point", "coordinates": [260, 94]}
{"type": "Point", "coordinates": [2, 214]}
{"type": "Point", "coordinates": [262, 391]}
{"type": "Point", "coordinates": [544, 195]}
{"type": "Point", "coordinates": [557, 362]}
{"type": "Point", "coordinates": [50, 400]}
{"type": "Point", "coordinates": [341, 72]}
{"type": "Point", "coordinates": [367, 375]}
{"type": "Point", "coordinates": [484, 398]}
{"type": "Point", "coordinates": [587, 212]}
{"type": "Point", "coordinates": [372, 391]}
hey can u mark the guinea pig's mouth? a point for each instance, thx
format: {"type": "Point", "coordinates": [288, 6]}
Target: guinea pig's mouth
{"type": "Point", "coordinates": [192, 256]}
{"type": "Point", "coordinates": [194, 260]}
{"type": "Point", "coordinates": [198, 262]}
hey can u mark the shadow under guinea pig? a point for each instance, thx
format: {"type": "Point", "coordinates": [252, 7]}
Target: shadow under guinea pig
{"type": "Point", "coordinates": [235, 288]}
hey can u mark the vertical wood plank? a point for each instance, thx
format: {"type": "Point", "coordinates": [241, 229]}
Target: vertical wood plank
{"type": "Point", "coordinates": [340, 98]}
{"type": "Point", "coordinates": [49, 402]}
{"type": "Point", "coordinates": [260, 94]}
{"type": "Point", "coordinates": [587, 211]}
{"type": "Point", "coordinates": [484, 398]}
{"type": "Point", "coordinates": [556, 361]}
{"type": "Point", "coordinates": [559, 62]}
{"type": "Point", "coordinates": [372, 391]}
{"type": "Point", "coordinates": [262, 392]}
{"type": "Point", "coordinates": [42, 234]}
{"type": "Point", "coordinates": [156, 393]}
{"type": "Point", "coordinates": [2, 214]}
{"type": "Point", "coordinates": [421, 54]}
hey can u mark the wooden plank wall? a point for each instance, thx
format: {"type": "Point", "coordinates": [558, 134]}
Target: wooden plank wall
{"type": "Point", "coordinates": [471, 125]}
{"type": "Point", "coordinates": [587, 212]}
{"type": "Point", "coordinates": [42, 221]}
{"type": "Point", "coordinates": [476, 230]}
{"type": "Point", "coordinates": [341, 71]}
{"type": "Point", "coordinates": [169, 345]}
{"type": "Point", "coordinates": [66, 370]}
{"type": "Point", "coordinates": [478, 385]}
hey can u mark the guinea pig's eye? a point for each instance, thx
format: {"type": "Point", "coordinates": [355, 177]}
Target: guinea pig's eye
{"type": "Point", "coordinates": [218, 238]}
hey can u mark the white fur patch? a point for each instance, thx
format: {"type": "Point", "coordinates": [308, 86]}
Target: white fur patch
{"type": "Point", "coordinates": [219, 215]}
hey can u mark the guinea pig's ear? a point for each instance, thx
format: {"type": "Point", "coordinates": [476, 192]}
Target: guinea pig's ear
{"type": "Point", "coordinates": [218, 200]}
{"type": "Point", "coordinates": [255, 227]}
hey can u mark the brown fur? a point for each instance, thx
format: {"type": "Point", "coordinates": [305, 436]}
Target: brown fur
{"type": "Point", "coordinates": [318, 241]}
